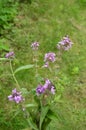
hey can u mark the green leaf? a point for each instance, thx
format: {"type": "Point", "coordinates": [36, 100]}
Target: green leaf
{"type": "Point", "coordinates": [27, 129]}
{"type": "Point", "coordinates": [57, 98]}
{"type": "Point", "coordinates": [44, 112]}
{"type": "Point", "coordinates": [4, 47]}
{"type": "Point", "coordinates": [52, 115]}
{"type": "Point", "coordinates": [46, 123]}
{"type": "Point", "coordinates": [75, 70]}
{"type": "Point", "coordinates": [31, 105]}
{"type": "Point", "coordinates": [31, 123]}
{"type": "Point", "coordinates": [23, 68]}
{"type": "Point", "coordinates": [3, 59]}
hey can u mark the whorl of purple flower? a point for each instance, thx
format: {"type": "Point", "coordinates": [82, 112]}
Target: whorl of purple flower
{"type": "Point", "coordinates": [65, 44]}
{"type": "Point", "coordinates": [16, 96]}
{"type": "Point", "coordinates": [47, 86]}
{"type": "Point", "coordinates": [9, 54]}
{"type": "Point", "coordinates": [49, 57]}
{"type": "Point", "coordinates": [35, 45]}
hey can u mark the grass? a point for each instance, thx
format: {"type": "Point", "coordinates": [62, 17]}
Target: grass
{"type": "Point", "coordinates": [47, 21]}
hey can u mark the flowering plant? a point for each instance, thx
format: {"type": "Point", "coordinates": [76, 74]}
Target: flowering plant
{"type": "Point", "coordinates": [41, 113]}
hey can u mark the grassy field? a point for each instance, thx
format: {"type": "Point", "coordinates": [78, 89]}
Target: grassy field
{"type": "Point", "coordinates": [47, 21]}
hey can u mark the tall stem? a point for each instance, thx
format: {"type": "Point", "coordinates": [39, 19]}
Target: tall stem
{"type": "Point", "coordinates": [14, 75]}
{"type": "Point", "coordinates": [35, 62]}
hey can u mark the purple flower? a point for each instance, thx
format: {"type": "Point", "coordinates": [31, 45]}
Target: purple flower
{"type": "Point", "coordinates": [47, 86]}
{"type": "Point", "coordinates": [10, 54]}
{"type": "Point", "coordinates": [64, 44]}
{"type": "Point", "coordinates": [39, 90]}
{"type": "Point", "coordinates": [49, 57]}
{"type": "Point", "coordinates": [16, 96]}
{"type": "Point", "coordinates": [35, 45]}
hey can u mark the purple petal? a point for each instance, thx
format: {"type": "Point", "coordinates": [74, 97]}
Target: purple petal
{"type": "Point", "coordinates": [39, 90]}
{"type": "Point", "coordinates": [14, 91]}
{"type": "Point", "coordinates": [52, 90]}
{"type": "Point", "coordinates": [18, 99]}
{"type": "Point", "coordinates": [10, 97]}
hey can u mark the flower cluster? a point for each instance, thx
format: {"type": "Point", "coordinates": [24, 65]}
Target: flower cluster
{"type": "Point", "coordinates": [65, 44]}
{"type": "Point", "coordinates": [16, 96]}
{"type": "Point", "coordinates": [49, 57]}
{"type": "Point", "coordinates": [9, 54]}
{"type": "Point", "coordinates": [47, 86]}
{"type": "Point", "coordinates": [35, 45]}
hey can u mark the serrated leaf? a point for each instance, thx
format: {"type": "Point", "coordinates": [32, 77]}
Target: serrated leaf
{"type": "Point", "coordinates": [44, 112]}
{"type": "Point", "coordinates": [39, 78]}
{"type": "Point", "coordinates": [23, 68]}
{"type": "Point", "coordinates": [57, 98]}
{"type": "Point", "coordinates": [24, 91]}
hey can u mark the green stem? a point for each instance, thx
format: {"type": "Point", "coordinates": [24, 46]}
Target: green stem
{"type": "Point", "coordinates": [35, 55]}
{"type": "Point", "coordinates": [14, 75]}
{"type": "Point", "coordinates": [36, 63]}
